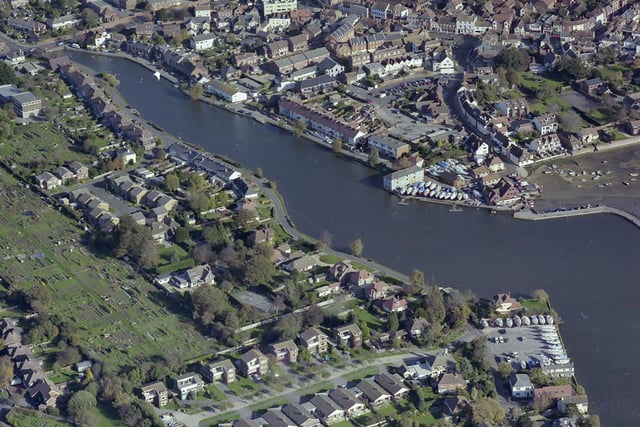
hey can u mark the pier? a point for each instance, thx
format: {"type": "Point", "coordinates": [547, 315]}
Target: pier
{"type": "Point", "coordinates": [533, 216]}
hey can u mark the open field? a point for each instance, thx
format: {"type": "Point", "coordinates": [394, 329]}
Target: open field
{"type": "Point", "coordinates": [24, 418]}
{"type": "Point", "coordinates": [122, 318]}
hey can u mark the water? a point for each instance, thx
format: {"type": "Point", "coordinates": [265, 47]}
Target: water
{"type": "Point", "coordinates": [588, 265]}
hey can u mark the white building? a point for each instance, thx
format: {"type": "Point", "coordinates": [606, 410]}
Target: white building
{"type": "Point", "coordinates": [225, 91]}
{"type": "Point", "coordinates": [269, 7]}
{"type": "Point", "coordinates": [443, 65]}
{"type": "Point", "coordinates": [202, 42]}
{"type": "Point", "coordinates": [546, 124]}
{"type": "Point", "coordinates": [521, 387]}
{"type": "Point", "coordinates": [402, 178]}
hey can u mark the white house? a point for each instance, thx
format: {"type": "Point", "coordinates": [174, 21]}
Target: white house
{"type": "Point", "coordinates": [521, 387]}
{"type": "Point", "coordinates": [225, 91]}
{"type": "Point", "coordinates": [443, 64]}
{"type": "Point", "coordinates": [202, 41]}
{"type": "Point", "coordinates": [403, 177]}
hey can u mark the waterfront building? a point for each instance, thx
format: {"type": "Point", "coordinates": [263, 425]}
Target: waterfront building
{"type": "Point", "coordinates": [389, 147]}
{"type": "Point", "coordinates": [402, 178]}
{"type": "Point", "coordinates": [225, 91]}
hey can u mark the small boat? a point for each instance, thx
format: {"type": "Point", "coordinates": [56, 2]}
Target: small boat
{"type": "Point", "coordinates": [534, 320]}
{"type": "Point", "coordinates": [441, 195]}
{"type": "Point", "coordinates": [549, 320]}
{"type": "Point", "coordinates": [432, 193]}
{"type": "Point", "coordinates": [541, 320]}
{"type": "Point", "coordinates": [157, 75]}
{"type": "Point", "coordinates": [484, 323]}
{"type": "Point", "coordinates": [517, 321]}
{"type": "Point", "coordinates": [499, 322]}
{"type": "Point", "coordinates": [509, 322]}
{"type": "Point", "coordinates": [460, 196]}
{"type": "Point", "coordinates": [526, 321]}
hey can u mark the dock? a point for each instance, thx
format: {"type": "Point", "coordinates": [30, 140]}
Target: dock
{"type": "Point", "coordinates": [533, 216]}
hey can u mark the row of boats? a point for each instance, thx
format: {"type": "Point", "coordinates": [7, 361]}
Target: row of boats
{"type": "Point", "coordinates": [517, 321]}
{"type": "Point", "coordinates": [553, 346]}
{"type": "Point", "coordinates": [433, 190]}
{"type": "Point", "coordinates": [449, 165]}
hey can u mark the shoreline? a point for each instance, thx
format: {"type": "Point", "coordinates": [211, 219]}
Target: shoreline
{"type": "Point", "coordinates": [260, 118]}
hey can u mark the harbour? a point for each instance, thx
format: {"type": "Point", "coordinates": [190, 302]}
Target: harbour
{"type": "Point", "coordinates": [581, 256]}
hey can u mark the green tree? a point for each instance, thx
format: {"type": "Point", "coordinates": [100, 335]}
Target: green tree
{"type": "Point", "coordinates": [259, 173]}
{"type": "Point", "coordinates": [505, 369]}
{"type": "Point", "coordinates": [181, 235]}
{"type": "Point", "coordinates": [512, 59]}
{"type": "Point", "coordinates": [299, 126]}
{"type": "Point", "coordinates": [199, 202]}
{"type": "Point", "coordinates": [196, 91]}
{"type": "Point", "coordinates": [7, 75]}
{"type": "Point", "coordinates": [80, 405]}
{"type": "Point", "coordinates": [393, 321]}
{"type": "Point", "coordinates": [417, 279]}
{"type": "Point", "coordinates": [90, 17]}
{"type": "Point", "coordinates": [6, 371]}
{"type": "Point", "coordinates": [171, 182]}
{"type": "Point", "coordinates": [259, 269]}
{"type": "Point", "coordinates": [488, 411]}
{"type": "Point", "coordinates": [374, 157]}
{"type": "Point", "coordinates": [216, 235]}
{"type": "Point", "coordinates": [356, 247]}
{"type": "Point", "coordinates": [208, 302]}
{"type": "Point", "coordinates": [337, 145]}
{"type": "Point", "coordinates": [434, 304]}
{"type": "Point", "coordinates": [540, 294]}
{"type": "Point", "coordinates": [244, 218]}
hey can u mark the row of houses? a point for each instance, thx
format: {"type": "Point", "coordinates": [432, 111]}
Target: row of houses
{"type": "Point", "coordinates": [62, 175]}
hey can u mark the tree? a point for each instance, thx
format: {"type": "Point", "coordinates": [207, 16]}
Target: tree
{"type": "Point", "coordinates": [393, 321]}
{"type": "Point", "coordinates": [570, 121]}
{"type": "Point", "coordinates": [591, 421]}
{"type": "Point", "coordinates": [259, 269]}
{"type": "Point", "coordinates": [80, 405]}
{"type": "Point", "coordinates": [356, 247]}
{"type": "Point", "coordinates": [505, 369]}
{"type": "Point", "coordinates": [243, 218]}
{"type": "Point", "coordinates": [313, 316]}
{"type": "Point", "coordinates": [374, 157]}
{"type": "Point", "coordinates": [540, 294]}
{"type": "Point", "coordinates": [325, 240]}
{"type": "Point", "coordinates": [512, 59]}
{"type": "Point", "coordinates": [417, 279]}
{"type": "Point", "coordinates": [7, 75]}
{"type": "Point", "coordinates": [259, 173]}
{"type": "Point", "coordinates": [90, 17]}
{"type": "Point", "coordinates": [196, 91]}
{"type": "Point", "coordinates": [199, 202]}
{"type": "Point", "coordinates": [181, 235]}
{"type": "Point", "coordinates": [171, 182]}
{"type": "Point", "coordinates": [6, 371]}
{"type": "Point", "coordinates": [337, 145]}
{"type": "Point", "coordinates": [208, 302]}
{"type": "Point", "coordinates": [487, 410]}
{"type": "Point", "coordinates": [434, 304]}
{"type": "Point", "coordinates": [299, 127]}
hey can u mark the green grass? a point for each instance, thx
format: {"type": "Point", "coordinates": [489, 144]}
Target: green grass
{"type": "Point", "coordinates": [19, 417]}
{"type": "Point", "coordinates": [425, 419]}
{"type": "Point", "coordinates": [362, 373]}
{"type": "Point", "coordinates": [316, 388]}
{"type": "Point", "coordinates": [242, 386]}
{"type": "Point", "coordinates": [120, 315]}
{"type": "Point", "coordinates": [372, 321]}
{"type": "Point", "coordinates": [330, 259]}
{"type": "Point", "coordinates": [360, 266]}
{"type": "Point", "coordinates": [106, 416]}
{"type": "Point", "coordinates": [342, 424]}
{"type": "Point", "coordinates": [535, 305]}
{"type": "Point", "coordinates": [388, 411]}
{"type": "Point", "coordinates": [214, 421]}
{"type": "Point", "coordinates": [269, 403]}
{"type": "Point", "coordinates": [62, 377]}
{"type": "Point", "coordinates": [353, 303]}
{"type": "Point", "coordinates": [215, 393]}
{"type": "Point", "coordinates": [167, 254]}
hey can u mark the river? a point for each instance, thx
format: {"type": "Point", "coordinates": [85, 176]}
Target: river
{"type": "Point", "coordinates": [588, 265]}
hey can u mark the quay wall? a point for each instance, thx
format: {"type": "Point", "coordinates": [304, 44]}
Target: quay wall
{"type": "Point", "coordinates": [532, 216]}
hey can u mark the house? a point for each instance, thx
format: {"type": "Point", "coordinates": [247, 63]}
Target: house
{"type": "Point", "coordinates": [303, 263]}
{"type": "Point", "coordinates": [581, 402]}
{"type": "Point", "coordinates": [26, 105]}
{"type": "Point", "coordinates": [348, 402]}
{"type": "Point", "coordinates": [42, 393]}
{"type": "Point", "coordinates": [222, 370]}
{"type": "Point", "coordinates": [393, 384]}
{"type": "Point", "coordinates": [505, 304]}
{"type": "Point", "coordinates": [315, 341]}
{"type": "Point", "coordinates": [64, 22]}
{"type": "Point", "coordinates": [284, 351]}
{"type": "Point", "coordinates": [519, 156]}
{"type": "Point", "coordinates": [330, 67]}
{"type": "Point", "coordinates": [188, 384]}
{"type": "Point", "coordinates": [194, 277]}
{"type": "Point", "coordinates": [420, 370]}
{"type": "Point", "coordinates": [453, 179]}
{"type": "Point", "coordinates": [402, 178]}
{"type": "Point", "coordinates": [265, 235]}
{"type": "Point", "coordinates": [339, 271]}
{"type": "Point", "coordinates": [360, 278]}
{"type": "Point", "coordinates": [253, 362]}
{"type": "Point", "coordinates": [83, 366]}
{"type": "Point", "coordinates": [64, 174]}
{"type": "Point", "coordinates": [388, 147]}
{"type": "Point", "coordinates": [442, 363]}
{"type": "Point", "coordinates": [443, 64]}
{"type": "Point", "coordinates": [544, 144]}
{"type": "Point", "coordinates": [277, 418]}
{"type": "Point", "coordinates": [394, 305]}
{"type": "Point", "coordinates": [327, 409]}
{"type": "Point", "coordinates": [551, 393]}
{"type": "Point", "coordinates": [590, 86]}
{"type": "Point", "coordinates": [520, 386]}
{"type": "Point", "coordinates": [496, 164]}
{"type": "Point", "coordinates": [48, 181]}
{"type": "Point", "coordinates": [373, 393]}
{"type": "Point", "coordinates": [417, 326]}
{"type": "Point", "coordinates": [375, 291]}
{"type": "Point", "coordinates": [155, 393]}
{"type": "Point", "coordinates": [503, 193]}
{"type": "Point", "coordinates": [227, 92]}
{"type": "Point", "coordinates": [450, 383]}
{"type": "Point", "coordinates": [300, 416]}
{"type": "Point", "coordinates": [457, 404]}
{"type": "Point", "coordinates": [349, 334]}
{"type": "Point", "coordinates": [632, 127]}
{"type": "Point", "coordinates": [546, 124]}
{"type": "Point", "coordinates": [81, 171]}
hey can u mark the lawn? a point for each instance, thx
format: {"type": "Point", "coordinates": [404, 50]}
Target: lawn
{"type": "Point", "coordinates": [535, 305]}
{"type": "Point", "coordinates": [269, 403]}
{"type": "Point", "coordinates": [106, 416]}
{"type": "Point", "coordinates": [124, 319]}
{"type": "Point", "coordinates": [372, 321]}
{"type": "Point", "coordinates": [330, 259]}
{"type": "Point", "coordinates": [170, 254]}
{"type": "Point", "coordinates": [62, 377]}
{"type": "Point", "coordinates": [215, 393]}
{"type": "Point", "coordinates": [242, 386]}
{"type": "Point", "coordinates": [342, 424]}
{"type": "Point", "coordinates": [362, 373]}
{"type": "Point", "coordinates": [18, 417]}
{"type": "Point", "coordinates": [219, 419]}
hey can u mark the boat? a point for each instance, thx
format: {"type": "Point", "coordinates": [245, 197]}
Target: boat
{"type": "Point", "coordinates": [534, 320]}
{"type": "Point", "coordinates": [517, 321]}
{"type": "Point", "coordinates": [432, 193]}
{"type": "Point", "coordinates": [460, 196]}
{"type": "Point", "coordinates": [549, 320]}
{"type": "Point", "coordinates": [441, 195]}
{"type": "Point", "coordinates": [499, 322]}
{"type": "Point", "coordinates": [526, 321]}
{"type": "Point", "coordinates": [509, 322]}
{"type": "Point", "coordinates": [484, 323]}
{"type": "Point", "coordinates": [541, 319]}
{"type": "Point", "coordinates": [157, 75]}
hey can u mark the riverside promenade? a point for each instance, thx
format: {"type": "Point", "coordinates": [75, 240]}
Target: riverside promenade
{"type": "Point", "coordinates": [533, 216]}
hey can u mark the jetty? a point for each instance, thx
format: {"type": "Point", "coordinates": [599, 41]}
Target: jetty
{"type": "Point", "coordinates": [533, 216]}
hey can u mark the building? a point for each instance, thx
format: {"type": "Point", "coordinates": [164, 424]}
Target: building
{"type": "Point", "coordinates": [48, 181]}
{"type": "Point", "coordinates": [253, 362]}
{"type": "Point", "coordinates": [505, 304]}
{"type": "Point", "coordinates": [315, 341]}
{"type": "Point", "coordinates": [223, 371]}
{"type": "Point", "coordinates": [389, 147]}
{"type": "Point", "coordinates": [284, 351]}
{"type": "Point", "coordinates": [202, 41]}
{"type": "Point", "coordinates": [187, 384]}
{"type": "Point", "coordinates": [546, 124]}
{"type": "Point", "coordinates": [64, 22]}
{"type": "Point", "coordinates": [349, 334]}
{"type": "Point", "coordinates": [581, 402]}
{"type": "Point", "coordinates": [225, 91]}
{"type": "Point", "coordinates": [520, 386]}
{"type": "Point", "coordinates": [328, 410]}
{"type": "Point", "coordinates": [373, 393]}
{"type": "Point", "coordinates": [348, 402]}
{"type": "Point", "coordinates": [26, 105]}
{"type": "Point", "coordinates": [192, 277]}
{"type": "Point", "coordinates": [450, 383]}
{"type": "Point", "coordinates": [270, 7]}
{"type": "Point", "coordinates": [393, 385]}
{"type": "Point", "coordinates": [277, 418]}
{"type": "Point", "coordinates": [300, 416]}
{"type": "Point", "coordinates": [155, 393]}
{"type": "Point", "coordinates": [400, 179]}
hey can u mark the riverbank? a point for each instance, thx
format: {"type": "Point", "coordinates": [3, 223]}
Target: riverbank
{"type": "Point", "coordinates": [533, 216]}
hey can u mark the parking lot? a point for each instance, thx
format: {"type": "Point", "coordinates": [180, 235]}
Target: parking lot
{"type": "Point", "coordinates": [519, 344]}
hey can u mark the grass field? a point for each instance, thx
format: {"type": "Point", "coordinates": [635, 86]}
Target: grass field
{"type": "Point", "coordinates": [242, 386]}
{"type": "Point", "coordinates": [18, 417]}
{"type": "Point", "coordinates": [362, 373]}
{"type": "Point", "coordinates": [535, 306]}
{"type": "Point", "coordinates": [215, 393]}
{"type": "Point", "coordinates": [122, 318]}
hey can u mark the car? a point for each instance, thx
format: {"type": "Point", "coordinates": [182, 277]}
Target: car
{"type": "Point", "coordinates": [60, 43]}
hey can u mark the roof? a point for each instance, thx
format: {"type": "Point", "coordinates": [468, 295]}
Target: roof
{"type": "Point", "coordinates": [297, 413]}
{"type": "Point", "coordinates": [371, 390]}
{"type": "Point", "coordinates": [325, 405]}
{"type": "Point", "coordinates": [311, 333]}
{"type": "Point", "coordinates": [344, 398]}
{"type": "Point", "coordinates": [520, 381]}
{"type": "Point", "coordinates": [251, 355]}
{"type": "Point", "coordinates": [25, 98]}
{"type": "Point", "coordinates": [391, 383]}
{"type": "Point", "coordinates": [392, 143]}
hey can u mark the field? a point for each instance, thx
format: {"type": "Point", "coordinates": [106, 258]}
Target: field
{"type": "Point", "coordinates": [122, 318]}
{"type": "Point", "coordinates": [24, 418]}
{"type": "Point", "coordinates": [532, 83]}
